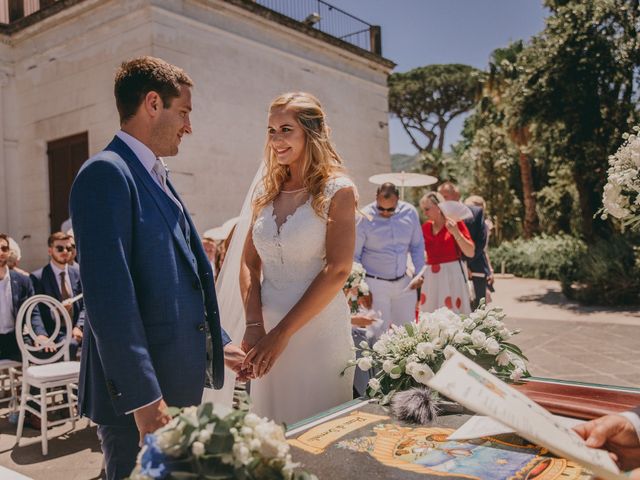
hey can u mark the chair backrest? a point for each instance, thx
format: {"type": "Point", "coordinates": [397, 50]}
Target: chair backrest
{"type": "Point", "coordinates": [24, 327]}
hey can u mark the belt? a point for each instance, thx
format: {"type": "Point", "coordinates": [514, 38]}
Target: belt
{"type": "Point", "coordinates": [385, 279]}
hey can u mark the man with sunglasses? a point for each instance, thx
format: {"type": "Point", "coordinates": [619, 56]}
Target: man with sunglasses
{"type": "Point", "coordinates": [15, 288]}
{"type": "Point", "coordinates": [61, 281]}
{"type": "Point", "coordinates": [389, 234]}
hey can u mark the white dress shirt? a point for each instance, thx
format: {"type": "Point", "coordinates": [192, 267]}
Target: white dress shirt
{"type": "Point", "coordinates": [7, 320]}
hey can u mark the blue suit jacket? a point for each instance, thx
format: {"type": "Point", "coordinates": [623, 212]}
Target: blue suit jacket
{"type": "Point", "coordinates": [44, 282]}
{"type": "Point", "coordinates": [21, 290]}
{"type": "Point", "coordinates": [147, 293]}
{"type": "Point", "coordinates": [478, 263]}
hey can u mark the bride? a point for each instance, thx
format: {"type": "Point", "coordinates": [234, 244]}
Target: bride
{"type": "Point", "coordinates": [297, 255]}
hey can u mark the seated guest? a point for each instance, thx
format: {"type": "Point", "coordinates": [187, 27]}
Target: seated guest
{"type": "Point", "coordinates": [619, 434]}
{"type": "Point", "coordinates": [13, 260]}
{"type": "Point", "coordinates": [61, 281]}
{"type": "Point", "coordinates": [445, 243]}
{"type": "Point", "coordinates": [15, 288]}
{"type": "Point", "coordinates": [73, 262]}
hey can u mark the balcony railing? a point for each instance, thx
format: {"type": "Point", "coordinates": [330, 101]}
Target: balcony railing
{"type": "Point", "coordinates": [331, 20]}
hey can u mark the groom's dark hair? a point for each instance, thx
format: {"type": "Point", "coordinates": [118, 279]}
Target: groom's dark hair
{"type": "Point", "coordinates": [135, 78]}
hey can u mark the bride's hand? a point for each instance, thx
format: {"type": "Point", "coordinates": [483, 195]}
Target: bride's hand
{"type": "Point", "coordinates": [263, 356]}
{"type": "Point", "coordinates": [252, 335]}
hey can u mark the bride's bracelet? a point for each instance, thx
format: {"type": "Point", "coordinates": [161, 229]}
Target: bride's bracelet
{"type": "Point", "coordinates": [255, 324]}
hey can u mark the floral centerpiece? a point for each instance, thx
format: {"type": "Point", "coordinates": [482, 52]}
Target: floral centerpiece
{"type": "Point", "coordinates": [356, 286]}
{"type": "Point", "coordinates": [217, 443]}
{"type": "Point", "coordinates": [621, 198]}
{"type": "Point", "coordinates": [409, 356]}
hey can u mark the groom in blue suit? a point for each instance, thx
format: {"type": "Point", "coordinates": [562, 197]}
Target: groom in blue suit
{"type": "Point", "coordinates": [148, 286]}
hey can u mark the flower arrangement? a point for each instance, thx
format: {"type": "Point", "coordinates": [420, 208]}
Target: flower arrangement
{"type": "Point", "coordinates": [208, 442]}
{"type": "Point", "coordinates": [356, 287]}
{"type": "Point", "coordinates": [409, 356]}
{"type": "Point", "coordinates": [621, 197]}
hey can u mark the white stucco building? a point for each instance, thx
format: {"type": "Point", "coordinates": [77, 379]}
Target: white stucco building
{"type": "Point", "coordinates": [57, 65]}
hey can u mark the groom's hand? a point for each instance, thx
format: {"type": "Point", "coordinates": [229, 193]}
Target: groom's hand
{"type": "Point", "coordinates": [151, 417]}
{"type": "Point", "coordinates": [233, 359]}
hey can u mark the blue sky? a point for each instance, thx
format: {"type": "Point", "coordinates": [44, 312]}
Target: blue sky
{"type": "Point", "coordinates": [421, 32]}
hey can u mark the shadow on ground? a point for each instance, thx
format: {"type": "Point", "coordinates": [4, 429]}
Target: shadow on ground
{"type": "Point", "coordinates": [557, 299]}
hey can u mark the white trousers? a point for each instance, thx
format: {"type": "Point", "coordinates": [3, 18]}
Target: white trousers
{"type": "Point", "coordinates": [396, 303]}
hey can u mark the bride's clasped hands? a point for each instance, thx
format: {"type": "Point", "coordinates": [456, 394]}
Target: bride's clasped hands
{"type": "Point", "coordinates": [263, 349]}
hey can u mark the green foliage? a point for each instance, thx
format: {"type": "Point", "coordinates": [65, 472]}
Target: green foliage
{"type": "Point", "coordinates": [607, 274]}
{"type": "Point", "coordinates": [545, 256]}
{"type": "Point", "coordinates": [576, 89]}
{"type": "Point", "coordinates": [425, 100]}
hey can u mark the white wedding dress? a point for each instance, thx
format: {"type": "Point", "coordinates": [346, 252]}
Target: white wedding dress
{"type": "Point", "coordinates": [305, 379]}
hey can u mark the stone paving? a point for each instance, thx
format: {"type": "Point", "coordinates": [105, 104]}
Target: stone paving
{"type": "Point", "coordinates": [561, 339]}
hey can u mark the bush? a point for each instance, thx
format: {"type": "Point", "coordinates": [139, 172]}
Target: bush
{"type": "Point", "coordinates": [548, 256]}
{"type": "Point", "coordinates": [608, 274]}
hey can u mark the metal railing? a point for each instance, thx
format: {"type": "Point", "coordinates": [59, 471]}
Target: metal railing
{"type": "Point", "coordinates": [331, 20]}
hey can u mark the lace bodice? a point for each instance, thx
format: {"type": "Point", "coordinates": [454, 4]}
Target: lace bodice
{"type": "Point", "coordinates": [295, 253]}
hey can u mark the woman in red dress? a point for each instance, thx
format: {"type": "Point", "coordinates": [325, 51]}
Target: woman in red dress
{"type": "Point", "coordinates": [446, 276]}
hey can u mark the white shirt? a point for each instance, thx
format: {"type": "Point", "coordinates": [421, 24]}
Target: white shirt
{"type": "Point", "coordinates": [7, 320]}
{"type": "Point", "coordinates": [147, 158]}
{"type": "Point", "coordinates": [56, 272]}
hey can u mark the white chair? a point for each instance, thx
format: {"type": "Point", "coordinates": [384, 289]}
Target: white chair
{"type": "Point", "coordinates": [47, 374]}
{"type": "Point", "coordinates": [8, 377]}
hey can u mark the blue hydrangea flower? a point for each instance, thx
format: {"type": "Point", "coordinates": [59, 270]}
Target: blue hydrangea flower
{"type": "Point", "coordinates": [153, 460]}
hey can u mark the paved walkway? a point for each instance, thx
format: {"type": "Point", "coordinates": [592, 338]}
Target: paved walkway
{"type": "Point", "coordinates": [561, 339]}
{"type": "Point", "coordinates": [568, 341]}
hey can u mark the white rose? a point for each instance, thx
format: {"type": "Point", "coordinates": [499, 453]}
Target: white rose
{"type": "Point", "coordinates": [374, 384]}
{"type": "Point", "coordinates": [504, 358]}
{"type": "Point", "coordinates": [246, 431]}
{"type": "Point", "coordinates": [505, 334]}
{"type": "Point", "coordinates": [449, 352]}
{"type": "Point", "coordinates": [424, 348]}
{"type": "Point", "coordinates": [421, 373]}
{"type": "Point", "coordinates": [204, 436]}
{"type": "Point", "coordinates": [492, 346]}
{"type": "Point", "coordinates": [272, 438]}
{"type": "Point", "coordinates": [251, 420]}
{"type": "Point", "coordinates": [468, 323]}
{"type": "Point", "coordinates": [241, 454]}
{"type": "Point", "coordinates": [365, 363]}
{"type": "Point", "coordinates": [388, 365]}
{"type": "Point", "coordinates": [197, 449]}
{"type": "Point", "coordinates": [380, 347]}
{"type": "Point", "coordinates": [461, 338]}
{"type": "Point", "coordinates": [409, 367]}
{"type": "Point", "coordinates": [516, 375]}
{"type": "Point", "coordinates": [478, 338]}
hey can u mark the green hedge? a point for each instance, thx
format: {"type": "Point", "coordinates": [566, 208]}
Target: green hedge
{"type": "Point", "coordinates": [547, 256]}
{"type": "Point", "coordinates": [606, 272]}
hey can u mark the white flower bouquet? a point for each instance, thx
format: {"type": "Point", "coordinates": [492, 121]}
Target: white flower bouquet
{"type": "Point", "coordinates": [621, 197]}
{"type": "Point", "coordinates": [356, 286]}
{"type": "Point", "coordinates": [217, 443]}
{"type": "Point", "coordinates": [408, 356]}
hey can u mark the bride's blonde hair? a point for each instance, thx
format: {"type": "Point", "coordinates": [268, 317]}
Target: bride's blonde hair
{"type": "Point", "coordinates": [320, 163]}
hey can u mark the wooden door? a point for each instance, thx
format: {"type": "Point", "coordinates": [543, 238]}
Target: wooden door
{"type": "Point", "coordinates": [66, 156]}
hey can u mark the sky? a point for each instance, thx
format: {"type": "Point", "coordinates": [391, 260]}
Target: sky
{"type": "Point", "coordinates": [422, 32]}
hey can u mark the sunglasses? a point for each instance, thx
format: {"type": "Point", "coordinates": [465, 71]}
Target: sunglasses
{"type": "Point", "coordinates": [60, 248]}
{"type": "Point", "coordinates": [390, 209]}
{"type": "Point", "coordinates": [4, 248]}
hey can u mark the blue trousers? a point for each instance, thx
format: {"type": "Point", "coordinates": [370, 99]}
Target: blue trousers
{"type": "Point", "coordinates": [120, 449]}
